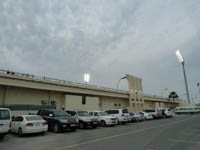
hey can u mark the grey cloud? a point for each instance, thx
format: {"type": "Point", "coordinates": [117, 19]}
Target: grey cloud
{"type": "Point", "coordinates": [108, 38]}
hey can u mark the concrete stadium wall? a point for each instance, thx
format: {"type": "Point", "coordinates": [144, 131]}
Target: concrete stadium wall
{"type": "Point", "coordinates": [16, 95]}
{"type": "Point", "coordinates": [109, 103]}
{"type": "Point", "coordinates": [75, 102]}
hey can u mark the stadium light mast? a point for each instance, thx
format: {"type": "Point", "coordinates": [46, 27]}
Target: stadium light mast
{"type": "Point", "coordinates": [181, 60]}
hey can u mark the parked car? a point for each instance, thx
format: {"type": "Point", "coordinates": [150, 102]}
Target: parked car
{"type": "Point", "coordinates": [142, 117]}
{"type": "Point", "coordinates": [122, 115]}
{"type": "Point", "coordinates": [166, 112]}
{"type": "Point", "coordinates": [85, 120]}
{"type": "Point", "coordinates": [103, 118]}
{"type": "Point", "coordinates": [58, 120]}
{"type": "Point", "coordinates": [134, 117]}
{"type": "Point", "coordinates": [155, 113]}
{"type": "Point", "coordinates": [146, 115]}
{"type": "Point", "coordinates": [25, 124]}
{"type": "Point", "coordinates": [5, 121]}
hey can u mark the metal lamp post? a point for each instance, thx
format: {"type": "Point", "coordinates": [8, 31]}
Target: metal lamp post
{"type": "Point", "coordinates": [198, 85]}
{"type": "Point", "coordinates": [181, 60]}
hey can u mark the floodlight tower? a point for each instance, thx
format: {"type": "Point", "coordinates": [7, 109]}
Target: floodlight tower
{"type": "Point", "coordinates": [181, 60]}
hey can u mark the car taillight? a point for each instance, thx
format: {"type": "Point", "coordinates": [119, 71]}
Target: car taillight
{"type": "Point", "coordinates": [122, 115]}
{"type": "Point", "coordinates": [10, 124]}
{"type": "Point", "coordinates": [29, 124]}
{"type": "Point", "coordinates": [45, 124]}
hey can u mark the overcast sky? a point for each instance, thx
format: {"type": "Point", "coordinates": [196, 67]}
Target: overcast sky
{"type": "Point", "coordinates": [107, 38]}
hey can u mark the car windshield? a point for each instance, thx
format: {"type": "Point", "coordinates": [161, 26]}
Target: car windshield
{"type": "Point", "coordinates": [60, 113]}
{"type": "Point", "coordinates": [103, 114]}
{"type": "Point", "coordinates": [83, 113]}
{"type": "Point", "coordinates": [125, 111]}
{"type": "Point", "coordinates": [4, 115]}
{"type": "Point", "coordinates": [149, 110]}
{"type": "Point", "coordinates": [33, 118]}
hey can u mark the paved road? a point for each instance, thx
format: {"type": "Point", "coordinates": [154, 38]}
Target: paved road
{"type": "Point", "coordinates": [179, 133]}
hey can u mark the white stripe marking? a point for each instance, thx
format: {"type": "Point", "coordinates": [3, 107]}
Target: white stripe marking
{"type": "Point", "coordinates": [118, 135]}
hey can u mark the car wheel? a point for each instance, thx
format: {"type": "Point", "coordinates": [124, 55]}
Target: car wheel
{"type": "Point", "coordinates": [94, 126]}
{"type": "Point", "coordinates": [103, 123]}
{"type": "Point", "coordinates": [1, 137]}
{"type": "Point", "coordinates": [56, 128]}
{"type": "Point", "coordinates": [43, 133]}
{"type": "Point", "coordinates": [81, 125]}
{"type": "Point", "coordinates": [73, 129]}
{"type": "Point", "coordinates": [20, 133]}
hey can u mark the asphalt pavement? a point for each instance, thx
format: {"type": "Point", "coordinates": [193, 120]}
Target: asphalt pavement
{"type": "Point", "coordinates": [178, 133]}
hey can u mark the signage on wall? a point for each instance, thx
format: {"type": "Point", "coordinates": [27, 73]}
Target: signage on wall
{"type": "Point", "coordinates": [46, 102]}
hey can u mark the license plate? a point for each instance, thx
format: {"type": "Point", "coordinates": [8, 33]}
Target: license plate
{"type": "Point", "coordinates": [37, 124]}
{"type": "Point", "coordinates": [72, 125]}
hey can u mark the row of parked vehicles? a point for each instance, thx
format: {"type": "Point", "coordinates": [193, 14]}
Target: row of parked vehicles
{"type": "Point", "coordinates": [60, 120]}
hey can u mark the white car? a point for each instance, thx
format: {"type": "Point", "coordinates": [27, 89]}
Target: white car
{"type": "Point", "coordinates": [146, 115]}
{"type": "Point", "coordinates": [29, 124]}
{"type": "Point", "coordinates": [5, 121]}
{"type": "Point", "coordinates": [166, 112]}
{"type": "Point", "coordinates": [122, 115]}
{"type": "Point", "coordinates": [103, 118]}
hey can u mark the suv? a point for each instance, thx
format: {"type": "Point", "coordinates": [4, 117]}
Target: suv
{"type": "Point", "coordinates": [58, 120]}
{"type": "Point", "coordinates": [85, 120]}
{"type": "Point", "coordinates": [103, 118]}
{"type": "Point", "coordinates": [166, 112]}
{"type": "Point", "coordinates": [136, 117]}
{"type": "Point", "coordinates": [155, 113]}
{"type": "Point", "coordinates": [5, 121]}
{"type": "Point", "coordinates": [122, 115]}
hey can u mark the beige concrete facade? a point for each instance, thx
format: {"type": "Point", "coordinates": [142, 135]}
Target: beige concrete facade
{"type": "Point", "coordinates": [16, 89]}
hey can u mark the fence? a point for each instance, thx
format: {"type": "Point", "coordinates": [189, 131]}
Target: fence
{"type": "Point", "coordinates": [28, 107]}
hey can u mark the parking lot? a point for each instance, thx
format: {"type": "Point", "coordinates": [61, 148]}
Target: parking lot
{"type": "Point", "coordinates": [181, 132]}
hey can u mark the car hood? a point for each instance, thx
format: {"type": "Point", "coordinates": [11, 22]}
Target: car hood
{"type": "Point", "coordinates": [68, 119]}
{"type": "Point", "coordinates": [108, 117]}
{"type": "Point", "coordinates": [87, 118]}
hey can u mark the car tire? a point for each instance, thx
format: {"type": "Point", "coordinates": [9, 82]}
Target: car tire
{"type": "Point", "coordinates": [56, 128]}
{"type": "Point", "coordinates": [42, 133]}
{"type": "Point", "coordinates": [20, 132]}
{"type": "Point", "coordinates": [118, 122]}
{"type": "Point", "coordinates": [103, 123]}
{"type": "Point", "coordinates": [94, 126]}
{"type": "Point", "coordinates": [73, 129]}
{"type": "Point", "coordinates": [81, 125]}
{"type": "Point", "coordinates": [1, 137]}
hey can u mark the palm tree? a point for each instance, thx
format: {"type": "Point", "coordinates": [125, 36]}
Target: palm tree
{"type": "Point", "coordinates": [173, 95]}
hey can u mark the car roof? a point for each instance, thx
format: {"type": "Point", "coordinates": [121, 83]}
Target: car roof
{"type": "Point", "coordinates": [4, 109]}
{"type": "Point", "coordinates": [26, 115]}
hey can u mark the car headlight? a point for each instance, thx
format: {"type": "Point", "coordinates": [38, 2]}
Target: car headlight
{"type": "Point", "coordinates": [77, 120]}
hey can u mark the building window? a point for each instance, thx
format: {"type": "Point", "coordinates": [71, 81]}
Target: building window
{"type": "Point", "coordinates": [115, 105]}
{"type": "Point", "coordinates": [53, 102]}
{"type": "Point", "coordinates": [83, 100]}
{"type": "Point", "coordinates": [43, 102]}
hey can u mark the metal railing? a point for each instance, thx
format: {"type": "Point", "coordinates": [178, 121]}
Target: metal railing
{"type": "Point", "coordinates": [69, 83]}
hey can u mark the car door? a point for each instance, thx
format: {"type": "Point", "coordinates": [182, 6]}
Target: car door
{"type": "Point", "coordinates": [50, 119]}
{"type": "Point", "coordinates": [4, 120]}
{"type": "Point", "coordinates": [18, 123]}
{"type": "Point", "coordinates": [97, 116]}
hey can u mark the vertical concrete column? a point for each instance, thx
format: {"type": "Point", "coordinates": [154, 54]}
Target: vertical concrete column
{"type": "Point", "coordinates": [5, 95]}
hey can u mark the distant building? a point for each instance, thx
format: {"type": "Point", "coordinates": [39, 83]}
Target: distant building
{"type": "Point", "coordinates": [28, 93]}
